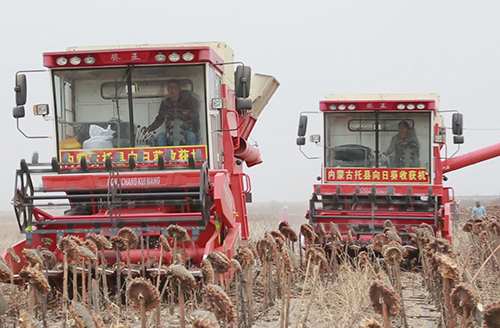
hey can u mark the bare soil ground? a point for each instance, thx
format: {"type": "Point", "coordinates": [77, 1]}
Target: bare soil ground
{"type": "Point", "coordinates": [340, 302]}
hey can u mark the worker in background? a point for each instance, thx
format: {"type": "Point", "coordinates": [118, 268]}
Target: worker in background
{"type": "Point", "coordinates": [177, 100]}
{"type": "Point", "coordinates": [404, 144]}
{"type": "Point", "coordinates": [478, 210]}
{"type": "Point", "coordinates": [284, 214]}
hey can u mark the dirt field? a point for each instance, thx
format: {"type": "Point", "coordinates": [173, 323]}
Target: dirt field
{"type": "Point", "coordinates": [340, 298]}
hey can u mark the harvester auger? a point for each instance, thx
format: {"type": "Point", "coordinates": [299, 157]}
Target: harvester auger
{"type": "Point", "coordinates": [148, 192]}
{"type": "Point", "coordinates": [383, 165]}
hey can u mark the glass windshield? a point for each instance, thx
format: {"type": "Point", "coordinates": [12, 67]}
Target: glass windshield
{"type": "Point", "coordinates": [403, 141]}
{"type": "Point", "coordinates": [152, 108]}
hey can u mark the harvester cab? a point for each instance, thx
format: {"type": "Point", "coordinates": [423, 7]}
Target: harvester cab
{"type": "Point", "coordinates": [381, 161]}
{"type": "Point", "coordinates": [148, 137]}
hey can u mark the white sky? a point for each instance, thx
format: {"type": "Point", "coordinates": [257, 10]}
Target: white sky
{"type": "Point", "coordinates": [313, 48]}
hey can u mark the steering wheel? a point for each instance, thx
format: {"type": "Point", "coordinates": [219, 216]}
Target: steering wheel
{"type": "Point", "coordinates": [382, 159]}
{"type": "Point", "coordinates": [181, 113]}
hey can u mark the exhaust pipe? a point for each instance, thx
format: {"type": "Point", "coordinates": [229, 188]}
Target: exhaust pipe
{"type": "Point", "coordinates": [248, 153]}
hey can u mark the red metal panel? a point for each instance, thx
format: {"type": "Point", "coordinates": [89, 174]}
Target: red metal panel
{"type": "Point", "coordinates": [240, 203]}
{"type": "Point", "coordinates": [326, 189]}
{"type": "Point", "coordinates": [139, 56]}
{"type": "Point", "coordinates": [125, 215]}
{"type": "Point", "coordinates": [347, 189]}
{"type": "Point", "coordinates": [371, 105]}
{"type": "Point", "coordinates": [420, 190]}
{"type": "Point", "coordinates": [223, 199]}
{"type": "Point", "coordinates": [247, 127]}
{"type": "Point", "coordinates": [132, 180]}
{"type": "Point", "coordinates": [368, 214]}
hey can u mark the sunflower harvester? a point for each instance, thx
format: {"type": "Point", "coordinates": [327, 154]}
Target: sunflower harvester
{"type": "Point", "coordinates": [111, 173]}
{"type": "Point", "coordinates": [384, 158]}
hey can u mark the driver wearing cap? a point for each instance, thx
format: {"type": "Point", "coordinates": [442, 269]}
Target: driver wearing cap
{"type": "Point", "coordinates": [177, 102]}
{"type": "Point", "coordinates": [405, 143]}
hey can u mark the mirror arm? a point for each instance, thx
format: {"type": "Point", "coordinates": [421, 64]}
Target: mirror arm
{"type": "Point", "coordinates": [32, 71]}
{"type": "Point", "coordinates": [300, 148]}
{"type": "Point", "coordinates": [458, 149]}
{"type": "Point", "coordinates": [30, 137]}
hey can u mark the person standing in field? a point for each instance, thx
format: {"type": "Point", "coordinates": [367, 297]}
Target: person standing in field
{"type": "Point", "coordinates": [478, 210]}
{"type": "Point", "coordinates": [284, 214]}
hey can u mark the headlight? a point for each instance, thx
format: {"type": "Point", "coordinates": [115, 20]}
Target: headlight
{"type": "Point", "coordinates": [89, 60]}
{"type": "Point", "coordinates": [61, 61]}
{"type": "Point", "coordinates": [318, 206]}
{"type": "Point", "coordinates": [41, 110]}
{"type": "Point", "coordinates": [401, 106]}
{"type": "Point", "coordinates": [420, 106]}
{"type": "Point", "coordinates": [351, 107]}
{"type": "Point", "coordinates": [160, 57]}
{"type": "Point", "coordinates": [174, 57]}
{"type": "Point", "coordinates": [217, 103]}
{"type": "Point", "coordinates": [75, 60]}
{"type": "Point", "coordinates": [333, 107]}
{"type": "Point", "coordinates": [342, 107]}
{"type": "Point", "coordinates": [188, 56]}
{"type": "Point", "coordinates": [410, 106]}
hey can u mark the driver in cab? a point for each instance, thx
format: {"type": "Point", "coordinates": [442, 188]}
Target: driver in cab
{"type": "Point", "coordinates": [177, 103]}
{"type": "Point", "coordinates": [405, 146]}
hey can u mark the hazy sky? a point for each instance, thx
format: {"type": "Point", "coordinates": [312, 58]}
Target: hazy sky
{"type": "Point", "coordinates": [313, 48]}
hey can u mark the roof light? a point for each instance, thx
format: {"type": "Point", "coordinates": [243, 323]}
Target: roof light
{"type": "Point", "coordinates": [420, 106]}
{"type": "Point", "coordinates": [89, 60]}
{"type": "Point", "coordinates": [188, 56]}
{"type": "Point", "coordinates": [342, 107]}
{"type": "Point", "coordinates": [75, 60]}
{"type": "Point", "coordinates": [401, 106]}
{"type": "Point", "coordinates": [61, 61]}
{"type": "Point", "coordinates": [160, 57]}
{"type": "Point", "coordinates": [174, 57]}
{"type": "Point", "coordinates": [333, 107]}
{"type": "Point", "coordinates": [410, 106]}
{"type": "Point", "coordinates": [351, 107]}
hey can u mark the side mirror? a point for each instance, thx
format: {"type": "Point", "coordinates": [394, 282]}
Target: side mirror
{"type": "Point", "coordinates": [20, 89]}
{"type": "Point", "coordinates": [18, 112]}
{"type": "Point", "coordinates": [243, 104]}
{"type": "Point", "coordinates": [302, 125]}
{"type": "Point", "coordinates": [242, 79]}
{"type": "Point", "coordinates": [458, 139]}
{"type": "Point", "coordinates": [301, 141]}
{"type": "Point", "coordinates": [457, 124]}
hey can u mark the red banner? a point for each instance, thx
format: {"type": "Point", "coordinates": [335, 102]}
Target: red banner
{"type": "Point", "coordinates": [177, 155]}
{"type": "Point", "coordinates": [377, 175]}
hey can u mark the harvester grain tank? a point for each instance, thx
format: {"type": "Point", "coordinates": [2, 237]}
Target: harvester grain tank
{"type": "Point", "coordinates": [115, 168]}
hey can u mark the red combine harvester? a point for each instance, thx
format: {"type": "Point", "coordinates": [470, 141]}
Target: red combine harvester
{"type": "Point", "coordinates": [383, 160]}
{"type": "Point", "coordinates": [147, 137]}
